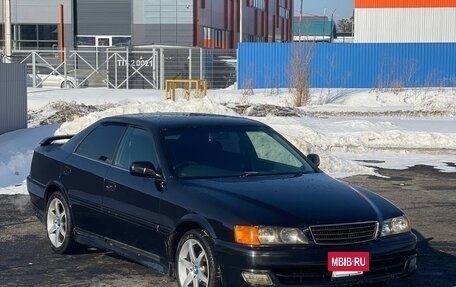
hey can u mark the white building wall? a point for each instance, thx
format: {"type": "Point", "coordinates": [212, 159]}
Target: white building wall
{"type": "Point", "coordinates": [398, 25]}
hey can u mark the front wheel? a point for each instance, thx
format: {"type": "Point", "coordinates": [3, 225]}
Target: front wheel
{"type": "Point", "coordinates": [196, 264]}
{"type": "Point", "coordinates": [59, 224]}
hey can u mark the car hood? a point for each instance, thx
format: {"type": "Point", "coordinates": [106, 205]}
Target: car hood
{"type": "Point", "coordinates": [298, 200]}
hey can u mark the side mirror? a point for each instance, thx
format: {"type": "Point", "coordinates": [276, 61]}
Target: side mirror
{"type": "Point", "coordinates": [143, 169]}
{"type": "Point", "coordinates": [314, 158]}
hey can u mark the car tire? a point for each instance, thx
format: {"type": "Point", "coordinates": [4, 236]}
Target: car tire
{"type": "Point", "coordinates": [59, 224]}
{"type": "Point", "coordinates": [195, 261]}
{"type": "Point", "coordinates": [67, 84]}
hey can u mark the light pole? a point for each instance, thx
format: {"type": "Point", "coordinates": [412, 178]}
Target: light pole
{"type": "Point", "coordinates": [61, 37]}
{"type": "Point", "coordinates": [300, 21]}
{"type": "Point", "coordinates": [241, 20]}
{"type": "Point", "coordinates": [7, 49]}
{"type": "Point", "coordinates": [332, 27]}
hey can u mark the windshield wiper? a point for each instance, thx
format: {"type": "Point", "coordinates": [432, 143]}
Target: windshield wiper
{"type": "Point", "coordinates": [249, 173]}
{"type": "Point", "coordinates": [255, 173]}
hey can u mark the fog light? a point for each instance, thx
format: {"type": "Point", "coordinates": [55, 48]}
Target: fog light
{"type": "Point", "coordinates": [257, 278]}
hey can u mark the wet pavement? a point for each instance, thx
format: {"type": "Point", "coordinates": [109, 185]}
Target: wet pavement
{"type": "Point", "coordinates": [426, 195]}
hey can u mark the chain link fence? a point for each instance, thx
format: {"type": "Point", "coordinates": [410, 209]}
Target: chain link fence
{"type": "Point", "coordinates": [142, 67]}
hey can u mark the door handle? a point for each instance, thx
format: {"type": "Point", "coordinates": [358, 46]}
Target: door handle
{"type": "Point", "coordinates": [66, 170]}
{"type": "Point", "coordinates": [110, 186]}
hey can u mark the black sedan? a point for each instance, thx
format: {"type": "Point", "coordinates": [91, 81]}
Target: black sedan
{"type": "Point", "coordinates": [214, 200]}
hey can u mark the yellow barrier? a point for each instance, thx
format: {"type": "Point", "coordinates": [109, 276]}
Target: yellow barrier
{"type": "Point", "coordinates": [171, 85]}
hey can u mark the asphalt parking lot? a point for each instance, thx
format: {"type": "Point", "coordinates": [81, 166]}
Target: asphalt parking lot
{"type": "Point", "coordinates": [426, 195]}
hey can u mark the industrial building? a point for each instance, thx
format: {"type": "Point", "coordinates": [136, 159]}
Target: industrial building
{"type": "Point", "coordinates": [406, 21]}
{"type": "Point", "coordinates": [314, 29]}
{"type": "Point", "coordinates": [111, 23]}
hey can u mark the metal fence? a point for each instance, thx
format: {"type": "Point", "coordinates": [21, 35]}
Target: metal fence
{"type": "Point", "coordinates": [13, 97]}
{"type": "Point", "coordinates": [399, 65]}
{"type": "Point", "coordinates": [144, 67]}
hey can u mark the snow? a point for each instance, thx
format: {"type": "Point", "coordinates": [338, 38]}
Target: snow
{"type": "Point", "coordinates": [353, 131]}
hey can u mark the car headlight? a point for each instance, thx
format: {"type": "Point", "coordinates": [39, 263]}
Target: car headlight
{"type": "Point", "coordinates": [268, 235]}
{"type": "Point", "coordinates": [395, 225]}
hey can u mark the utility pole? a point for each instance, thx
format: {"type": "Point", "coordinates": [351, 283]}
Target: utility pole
{"type": "Point", "coordinates": [332, 26]}
{"type": "Point", "coordinates": [300, 22]}
{"type": "Point", "coordinates": [241, 19]}
{"type": "Point", "coordinates": [61, 37]}
{"type": "Point", "coordinates": [7, 49]}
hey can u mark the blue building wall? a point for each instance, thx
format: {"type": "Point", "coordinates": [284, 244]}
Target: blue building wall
{"type": "Point", "coordinates": [349, 65]}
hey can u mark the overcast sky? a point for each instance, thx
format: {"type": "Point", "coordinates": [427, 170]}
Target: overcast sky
{"type": "Point", "coordinates": [344, 8]}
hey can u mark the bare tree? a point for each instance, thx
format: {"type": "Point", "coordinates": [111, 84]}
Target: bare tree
{"type": "Point", "coordinates": [301, 59]}
{"type": "Point", "coordinates": [345, 25]}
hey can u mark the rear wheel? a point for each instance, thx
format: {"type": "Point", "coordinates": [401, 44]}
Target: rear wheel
{"type": "Point", "coordinates": [67, 84]}
{"type": "Point", "coordinates": [59, 224]}
{"type": "Point", "coordinates": [195, 261]}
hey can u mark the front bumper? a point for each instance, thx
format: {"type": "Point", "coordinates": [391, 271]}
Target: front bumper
{"type": "Point", "coordinates": [390, 257]}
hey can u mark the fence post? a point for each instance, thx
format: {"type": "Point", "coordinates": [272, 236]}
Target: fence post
{"type": "Point", "coordinates": [237, 68]}
{"type": "Point", "coordinates": [128, 68]}
{"type": "Point", "coordinates": [154, 68]}
{"type": "Point", "coordinates": [75, 56]}
{"type": "Point", "coordinates": [162, 69]}
{"type": "Point", "coordinates": [201, 63]}
{"type": "Point", "coordinates": [115, 70]}
{"type": "Point", "coordinates": [34, 68]}
{"type": "Point", "coordinates": [107, 67]}
{"type": "Point", "coordinates": [189, 63]}
{"type": "Point", "coordinates": [65, 71]}
{"type": "Point", "coordinates": [96, 57]}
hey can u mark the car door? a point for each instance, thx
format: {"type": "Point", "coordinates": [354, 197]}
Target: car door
{"type": "Point", "coordinates": [132, 202]}
{"type": "Point", "coordinates": [84, 172]}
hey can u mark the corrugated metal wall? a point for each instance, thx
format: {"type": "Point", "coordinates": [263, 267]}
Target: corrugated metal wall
{"type": "Point", "coordinates": [103, 17]}
{"type": "Point", "coordinates": [13, 97]}
{"type": "Point", "coordinates": [391, 25]}
{"type": "Point", "coordinates": [263, 65]}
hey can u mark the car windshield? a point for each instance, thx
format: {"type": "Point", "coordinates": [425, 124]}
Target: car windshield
{"type": "Point", "coordinates": [239, 151]}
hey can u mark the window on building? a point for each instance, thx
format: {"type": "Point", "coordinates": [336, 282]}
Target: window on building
{"type": "Point", "coordinates": [258, 4]}
{"type": "Point", "coordinates": [34, 36]}
{"type": "Point", "coordinates": [215, 38]}
{"type": "Point", "coordinates": [284, 12]}
{"type": "Point", "coordinates": [121, 41]}
{"type": "Point", "coordinates": [102, 41]}
{"type": "Point", "coordinates": [1, 36]}
{"type": "Point", "coordinates": [85, 41]}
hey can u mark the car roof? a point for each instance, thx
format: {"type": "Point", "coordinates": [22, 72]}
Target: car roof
{"type": "Point", "coordinates": [178, 120]}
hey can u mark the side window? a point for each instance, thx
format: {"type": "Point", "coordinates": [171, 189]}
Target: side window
{"type": "Point", "coordinates": [137, 145]}
{"type": "Point", "coordinates": [101, 143]}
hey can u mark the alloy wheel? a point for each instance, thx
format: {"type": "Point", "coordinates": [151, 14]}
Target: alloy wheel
{"type": "Point", "coordinates": [56, 223]}
{"type": "Point", "coordinates": [193, 266]}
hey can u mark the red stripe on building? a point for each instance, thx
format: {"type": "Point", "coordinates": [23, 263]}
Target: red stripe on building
{"type": "Point", "coordinates": [255, 27]}
{"type": "Point", "coordinates": [404, 3]}
{"type": "Point", "coordinates": [226, 14]}
{"type": "Point", "coordinates": [232, 29]}
{"type": "Point", "coordinates": [195, 23]}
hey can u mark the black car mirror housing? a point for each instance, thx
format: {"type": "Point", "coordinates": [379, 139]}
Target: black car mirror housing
{"type": "Point", "coordinates": [143, 169]}
{"type": "Point", "coordinates": [314, 158]}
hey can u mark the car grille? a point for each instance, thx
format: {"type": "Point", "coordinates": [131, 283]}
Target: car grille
{"type": "Point", "coordinates": [339, 234]}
